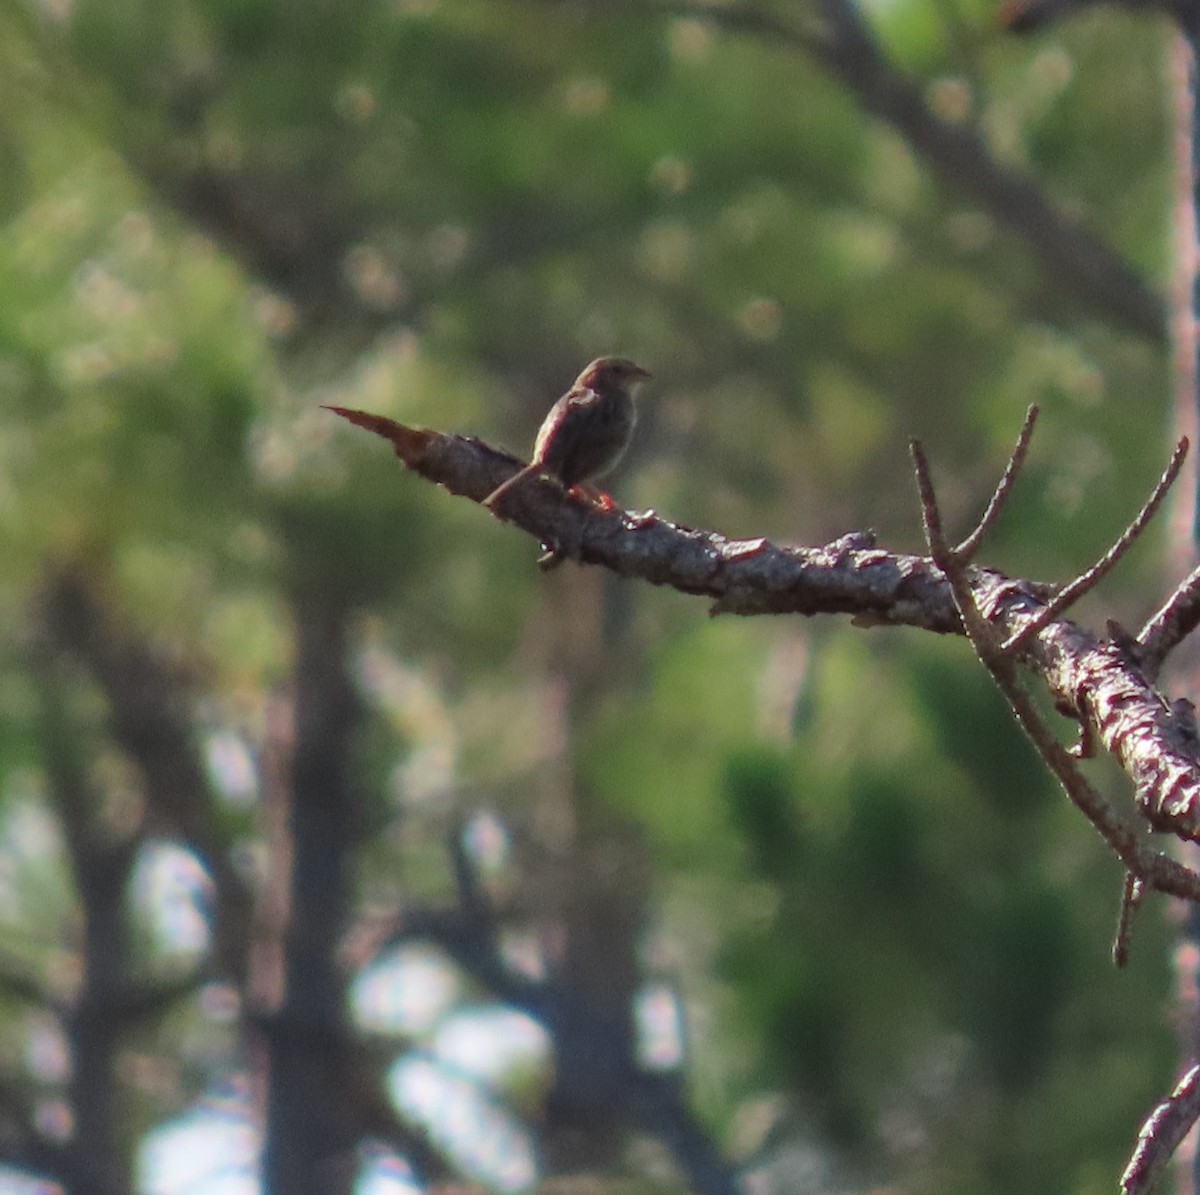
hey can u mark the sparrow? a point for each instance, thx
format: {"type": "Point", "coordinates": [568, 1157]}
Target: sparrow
{"type": "Point", "coordinates": [587, 430]}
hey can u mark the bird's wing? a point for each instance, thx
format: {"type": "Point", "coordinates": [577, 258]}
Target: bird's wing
{"type": "Point", "coordinates": [556, 434]}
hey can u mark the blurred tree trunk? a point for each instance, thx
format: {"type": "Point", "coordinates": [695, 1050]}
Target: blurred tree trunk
{"type": "Point", "coordinates": [96, 1158]}
{"type": "Point", "coordinates": [308, 1148]}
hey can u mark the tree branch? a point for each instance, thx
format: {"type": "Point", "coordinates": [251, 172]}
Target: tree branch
{"type": "Point", "coordinates": [1171, 625]}
{"type": "Point", "coordinates": [970, 546]}
{"type": "Point", "coordinates": [150, 716]}
{"type": "Point", "coordinates": [603, 1081]}
{"type": "Point", "coordinates": [1088, 580]}
{"type": "Point", "coordinates": [955, 152]}
{"type": "Point", "coordinates": [1098, 681]}
{"type": "Point", "coordinates": [1153, 869]}
{"type": "Point", "coordinates": [1162, 1134]}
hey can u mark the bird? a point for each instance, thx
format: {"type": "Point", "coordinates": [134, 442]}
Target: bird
{"type": "Point", "coordinates": [587, 430]}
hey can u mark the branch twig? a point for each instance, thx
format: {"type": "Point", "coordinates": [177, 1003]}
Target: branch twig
{"type": "Point", "coordinates": [1150, 868]}
{"type": "Point", "coordinates": [1132, 891]}
{"type": "Point", "coordinates": [1071, 593]}
{"type": "Point", "coordinates": [1162, 1134]}
{"type": "Point", "coordinates": [1171, 625]}
{"type": "Point", "coordinates": [981, 635]}
{"type": "Point", "coordinates": [969, 546]}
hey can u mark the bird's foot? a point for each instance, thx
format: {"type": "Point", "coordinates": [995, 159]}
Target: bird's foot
{"type": "Point", "coordinates": [594, 497]}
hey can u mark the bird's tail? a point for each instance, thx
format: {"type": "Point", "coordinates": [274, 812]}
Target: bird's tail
{"type": "Point", "coordinates": [498, 494]}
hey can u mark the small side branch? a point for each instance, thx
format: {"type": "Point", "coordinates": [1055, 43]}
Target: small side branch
{"type": "Point", "coordinates": [1162, 1134]}
{"type": "Point", "coordinates": [1088, 580]}
{"type": "Point", "coordinates": [1147, 867]}
{"type": "Point", "coordinates": [982, 636]}
{"type": "Point", "coordinates": [1132, 892]}
{"type": "Point", "coordinates": [1177, 619]}
{"type": "Point", "coordinates": [969, 546]}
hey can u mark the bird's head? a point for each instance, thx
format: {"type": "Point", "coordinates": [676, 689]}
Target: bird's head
{"type": "Point", "coordinates": [609, 373]}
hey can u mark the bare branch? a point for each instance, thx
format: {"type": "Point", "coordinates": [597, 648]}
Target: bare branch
{"type": "Point", "coordinates": [1146, 866]}
{"type": "Point", "coordinates": [1132, 891]}
{"type": "Point", "coordinates": [931, 516]}
{"type": "Point", "coordinates": [1168, 628]}
{"type": "Point", "coordinates": [1096, 681]}
{"type": "Point", "coordinates": [982, 636]}
{"type": "Point", "coordinates": [1070, 594]}
{"type": "Point", "coordinates": [969, 546]}
{"type": "Point", "coordinates": [740, 576]}
{"type": "Point", "coordinates": [1162, 1134]}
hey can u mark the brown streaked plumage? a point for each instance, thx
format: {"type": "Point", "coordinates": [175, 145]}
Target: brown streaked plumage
{"type": "Point", "coordinates": [587, 431]}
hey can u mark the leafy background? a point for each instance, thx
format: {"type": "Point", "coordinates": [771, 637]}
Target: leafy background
{"type": "Point", "coordinates": [825, 851]}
